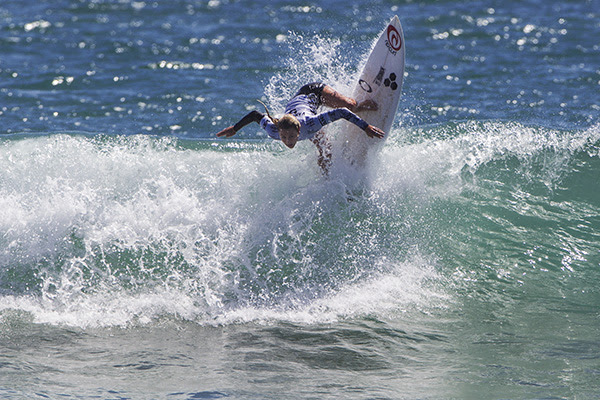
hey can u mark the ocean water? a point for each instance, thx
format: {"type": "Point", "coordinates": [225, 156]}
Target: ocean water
{"type": "Point", "coordinates": [143, 258]}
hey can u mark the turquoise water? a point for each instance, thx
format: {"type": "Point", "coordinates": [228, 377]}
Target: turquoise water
{"type": "Point", "coordinates": [142, 258]}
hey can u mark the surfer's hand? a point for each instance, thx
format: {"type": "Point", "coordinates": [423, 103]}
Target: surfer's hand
{"type": "Point", "coordinates": [227, 132]}
{"type": "Point", "coordinates": [374, 132]}
{"type": "Point", "coordinates": [366, 105]}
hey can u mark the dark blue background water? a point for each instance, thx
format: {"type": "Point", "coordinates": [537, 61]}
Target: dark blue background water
{"type": "Point", "coordinates": [179, 67]}
{"type": "Point", "coordinates": [141, 257]}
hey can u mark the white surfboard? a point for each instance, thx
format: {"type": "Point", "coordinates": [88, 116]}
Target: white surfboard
{"type": "Point", "coordinates": [381, 81]}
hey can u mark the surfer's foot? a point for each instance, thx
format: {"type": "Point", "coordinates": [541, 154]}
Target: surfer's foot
{"type": "Point", "coordinates": [366, 105]}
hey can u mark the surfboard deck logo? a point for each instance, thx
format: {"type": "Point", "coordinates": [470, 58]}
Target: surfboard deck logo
{"type": "Point", "coordinates": [365, 86]}
{"type": "Point", "coordinates": [390, 82]}
{"type": "Point", "coordinates": [381, 81]}
{"type": "Point", "coordinates": [394, 40]}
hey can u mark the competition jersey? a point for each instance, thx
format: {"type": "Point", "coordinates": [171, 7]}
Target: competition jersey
{"type": "Point", "coordinates": [304, 108]}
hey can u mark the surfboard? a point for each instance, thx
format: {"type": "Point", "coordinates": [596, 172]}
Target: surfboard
{"type": "Point", "coordinates": [381, 81]}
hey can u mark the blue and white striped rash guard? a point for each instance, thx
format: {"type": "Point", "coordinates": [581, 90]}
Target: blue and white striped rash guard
{"type": "Point", "coordinates": [304, 107]}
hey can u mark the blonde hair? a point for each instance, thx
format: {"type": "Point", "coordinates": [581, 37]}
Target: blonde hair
{"type": "Point", "coordinates": [288, 121]}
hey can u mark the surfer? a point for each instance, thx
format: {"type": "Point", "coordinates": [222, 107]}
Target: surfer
{"type": "Point", "coordinates": [301, 120]}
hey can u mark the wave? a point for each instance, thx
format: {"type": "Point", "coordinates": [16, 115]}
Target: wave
{"type": "Point", "coordinates": [115, 230]}
{"type": "Point", "coordinates": [112, 230]}
{"type": "Point", "coordinates": [510, 209]}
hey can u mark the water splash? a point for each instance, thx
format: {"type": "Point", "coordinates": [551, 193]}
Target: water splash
{"type": "Point", "coordinates": [118, 230]}
{"type": "Point", "coordinates": [314, 59]}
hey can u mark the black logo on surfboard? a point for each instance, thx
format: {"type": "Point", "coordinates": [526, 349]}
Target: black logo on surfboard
{"type": "Point", "coordinates": [391, 81]}
{"type": "Point", "coordinates": [379, 76]}
{"type": "Point", "coordinates": [365, 86]}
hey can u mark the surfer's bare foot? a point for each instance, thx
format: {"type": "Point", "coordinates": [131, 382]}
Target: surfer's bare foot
{"type": "Point", "coordinates": [366, 105]}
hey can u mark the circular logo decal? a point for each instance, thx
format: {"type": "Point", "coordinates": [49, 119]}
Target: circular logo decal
{"type": "Point", "coordinates": [394, 38]}
{"type": "Point", "coordinates": [365, 86]}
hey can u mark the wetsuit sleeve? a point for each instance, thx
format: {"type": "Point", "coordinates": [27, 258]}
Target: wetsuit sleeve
{"type": "Point", "coordinates": [252, 116]}
{"type": "Point", "coordinates": [339, 113]}
{"type": "Point", "coordinates": [267, 124]}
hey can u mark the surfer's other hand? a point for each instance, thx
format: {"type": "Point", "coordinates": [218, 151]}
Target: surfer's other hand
{"type": "Point", "coordinates": [227, 132]}
{"type": "Point", "coordinates": [366, 105]}
{"type": "Point", "coordinates": [374, 132]}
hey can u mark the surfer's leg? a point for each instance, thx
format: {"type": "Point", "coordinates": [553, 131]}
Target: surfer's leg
{"type": "Point", "coordinates": [334, 99]}
{"type": "Point", "coordinates": [315, 88]}
{"type": "Point", "coordinates": [324, 148]}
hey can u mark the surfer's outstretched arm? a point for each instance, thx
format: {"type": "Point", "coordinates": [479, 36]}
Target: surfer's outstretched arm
{"type": "Point", "coordinates": [332, 98]}
{"type": "Point", "coordinates": [252, 116]}
{"type": "Point", "coordinates": [339, 113]}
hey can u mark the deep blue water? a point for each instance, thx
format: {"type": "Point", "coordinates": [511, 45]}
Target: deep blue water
{"type": "Point", "coordinates": [143, 258]}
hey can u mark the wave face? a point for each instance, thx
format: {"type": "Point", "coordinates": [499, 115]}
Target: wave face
{"type": "Point", "coordinates": [106, 231]}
